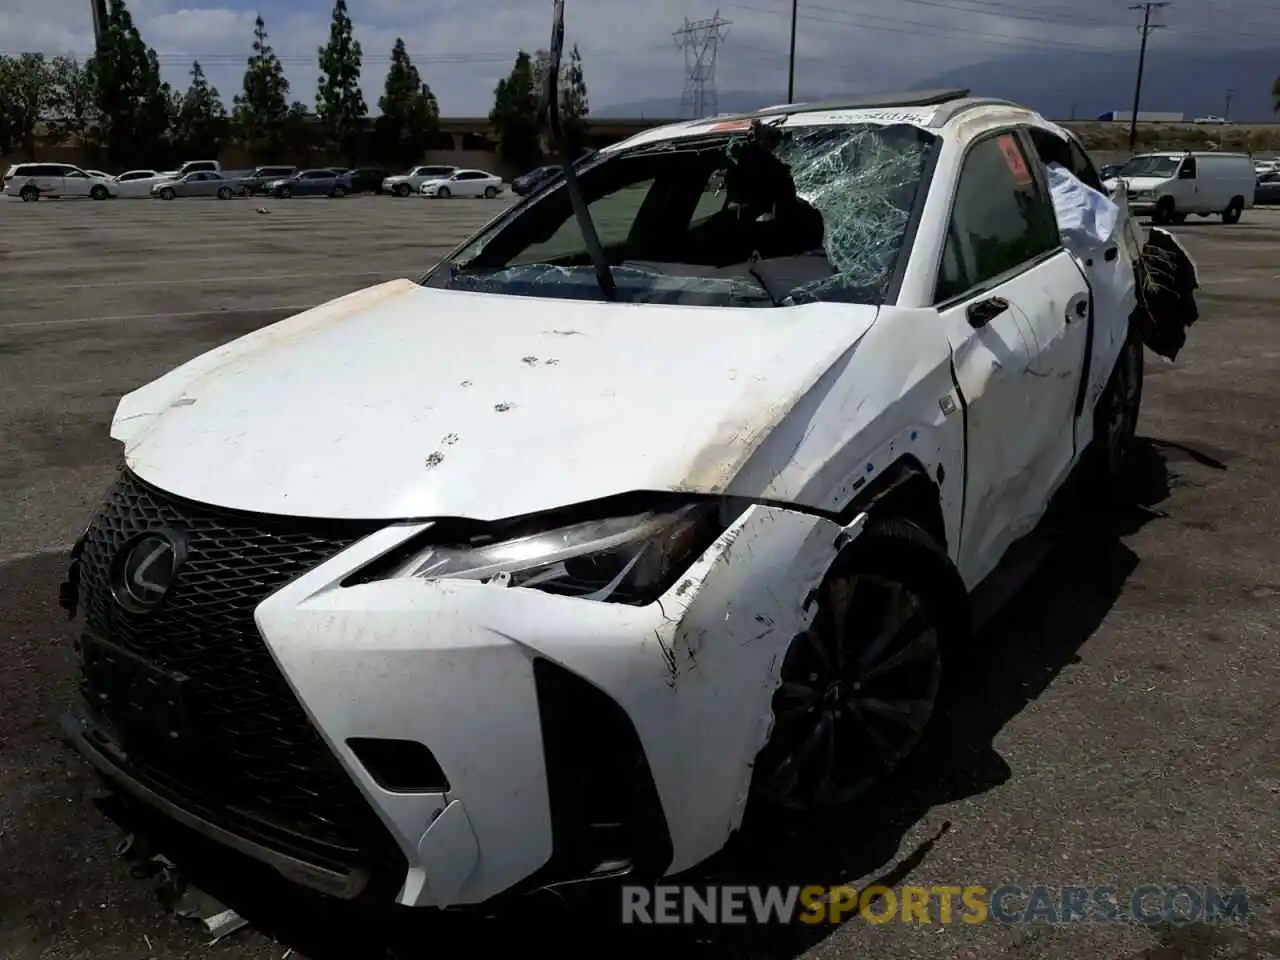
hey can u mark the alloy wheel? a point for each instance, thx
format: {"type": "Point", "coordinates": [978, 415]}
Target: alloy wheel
{"type": "Point", "coordinates": [858, 690]}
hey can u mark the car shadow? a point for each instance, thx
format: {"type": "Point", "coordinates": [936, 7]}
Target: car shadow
{"type": "Point", "coordinates": [1011, 663]}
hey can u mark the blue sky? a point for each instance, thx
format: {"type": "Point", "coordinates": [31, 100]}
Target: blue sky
{"type": "Point", "coordinates": [463, 46]}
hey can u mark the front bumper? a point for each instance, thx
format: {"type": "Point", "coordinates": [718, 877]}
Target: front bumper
{"type": "Point", "coordinates": [572, 738]}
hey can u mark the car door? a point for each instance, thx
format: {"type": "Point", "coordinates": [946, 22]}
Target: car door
{"type": "Point", "coordinates": [45, 177]}
{"type": "Point", "coordinates": [1014, 305]}
{"type": "Point", "coordinates": [1185, 187]}
{"type": "Point", "coordinates": [76, 183]}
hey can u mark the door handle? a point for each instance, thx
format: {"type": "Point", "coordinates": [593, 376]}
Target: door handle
{"type": "Point", "coordinates": [984, 311]}
{"type": "Point", "coordinates": [1110, 253]}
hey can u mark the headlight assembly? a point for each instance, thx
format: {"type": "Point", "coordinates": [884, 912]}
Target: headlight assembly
{"type": "Point", "coordinates": [631, 559]}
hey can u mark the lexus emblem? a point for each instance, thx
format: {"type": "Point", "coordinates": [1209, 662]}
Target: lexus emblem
{"type": "Point", "coordinates": [145, 570]}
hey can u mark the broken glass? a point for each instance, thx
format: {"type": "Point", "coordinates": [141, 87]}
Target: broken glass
{"type": "Point", "coordinates": [864, 185]}
{"type": "Point", "coordinates": [675, 232]}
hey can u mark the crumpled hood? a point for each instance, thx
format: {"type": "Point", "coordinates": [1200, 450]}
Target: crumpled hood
{"type": "Point", "coordinates": [401, 402]}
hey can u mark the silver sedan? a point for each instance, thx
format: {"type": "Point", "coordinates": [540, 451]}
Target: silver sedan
{"type": "Point", "coordinates": [202, 184]}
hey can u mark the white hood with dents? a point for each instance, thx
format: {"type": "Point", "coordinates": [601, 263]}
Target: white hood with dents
{"type": "Point", "coordinates": [401, 401]}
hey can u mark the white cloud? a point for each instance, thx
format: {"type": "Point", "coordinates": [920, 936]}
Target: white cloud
{"type": "Point", "coordinates": [463, 46]}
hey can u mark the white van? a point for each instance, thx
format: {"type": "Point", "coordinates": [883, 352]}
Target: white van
{"type": "Point", "coordinates": [1169, 186]}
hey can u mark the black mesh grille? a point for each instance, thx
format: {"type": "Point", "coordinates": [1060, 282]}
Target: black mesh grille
{"type": "Point", "coordinates": [257, 756]}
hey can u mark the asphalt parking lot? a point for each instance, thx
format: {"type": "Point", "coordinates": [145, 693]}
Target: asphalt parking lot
{"type": "Point", "coordinates": [1118, 724]}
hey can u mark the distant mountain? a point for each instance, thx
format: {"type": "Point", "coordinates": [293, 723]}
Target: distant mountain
{"type": "Point", "coordinates": [1071, 84]}
{"type": "Point", "coordinates": [1085, 85]}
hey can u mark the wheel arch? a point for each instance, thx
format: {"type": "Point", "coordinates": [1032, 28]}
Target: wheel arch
{"type": "Point", "coordinates": [905, 492]}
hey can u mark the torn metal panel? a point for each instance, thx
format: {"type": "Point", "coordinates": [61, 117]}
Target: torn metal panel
{"type": "Point", "coordinates": [1170, 279]}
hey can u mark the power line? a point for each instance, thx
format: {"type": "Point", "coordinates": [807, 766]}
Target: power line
{"type": "Point", "coordinates": [1146, 29]}
{"type": "Point", "coordinates": [700, 40]}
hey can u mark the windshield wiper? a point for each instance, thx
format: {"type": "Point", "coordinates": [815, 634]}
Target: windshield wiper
{"type": "Point", "coordinates": [760, 277]}
{"type": "Point", "coordinates": [551, 112]}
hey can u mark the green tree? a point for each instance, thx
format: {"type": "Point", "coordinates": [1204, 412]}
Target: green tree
{"type": "Point", "coordinates": [133, 103]}
{"type": "Point", "coordinates": [515, 114]}
{"type": "Point", "coordinates": [72, 114]}
{"type": "Point", "coordinates": [410, 115]}
{"type": "Point", "coordinates": [340, 104]}
{"type": "Point", "coordinates": [201, 125]}
{"type": "Point", "coordinates": [572, 87]}
{"type": "Point", "coordinates": [260, 111]}
{"type": "Point", "coordinates": [299, 130]}
{"type": "Point", "coordinates": [574, 107]}
{"type": "Point", "coordinates": [24, 99]}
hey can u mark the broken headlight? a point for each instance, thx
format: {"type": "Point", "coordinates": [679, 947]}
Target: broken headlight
{"type": "Point", "coordinates": [630, 559]}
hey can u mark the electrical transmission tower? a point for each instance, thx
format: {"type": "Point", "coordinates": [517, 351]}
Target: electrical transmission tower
{"type": "Point", "coordinates": [700, 40]}
{"type": "Point", "coordinates": [1145, 30]}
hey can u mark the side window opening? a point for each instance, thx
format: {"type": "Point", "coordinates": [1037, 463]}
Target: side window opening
{"type": "Point", "coordinates": [1001, 219]}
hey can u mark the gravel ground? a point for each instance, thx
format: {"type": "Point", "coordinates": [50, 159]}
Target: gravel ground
{"type": "Point", "coordinates": [1118, 724]}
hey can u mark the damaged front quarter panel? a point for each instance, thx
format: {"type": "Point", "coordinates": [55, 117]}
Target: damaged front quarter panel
{"type": "Point", "coordinates": [725, 629]}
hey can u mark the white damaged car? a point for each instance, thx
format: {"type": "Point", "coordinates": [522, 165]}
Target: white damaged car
{"type": "Point", "coordinates": [547, 566]}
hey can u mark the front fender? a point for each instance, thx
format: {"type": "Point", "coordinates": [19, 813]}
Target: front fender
{"type": "Point", "coordinates": [890, 397]}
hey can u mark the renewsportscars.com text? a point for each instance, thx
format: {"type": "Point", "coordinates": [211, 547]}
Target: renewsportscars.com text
{"type": "Point", "coordinates": [1006, 904]}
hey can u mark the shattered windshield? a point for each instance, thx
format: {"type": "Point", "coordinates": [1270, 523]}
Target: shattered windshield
{"type": "Point", "coordinates": [1151, 167]}
{"type": "Point", "coordinates": [768, 218]}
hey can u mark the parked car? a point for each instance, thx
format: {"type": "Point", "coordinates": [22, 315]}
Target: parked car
{"type": "Point", "coordinates": [464, 183]}
{"type": "Point", "coordinates": [257, 181]}
{"type": "Point", "coordinates": [137, 184]}
{"type": "Point", "coordinates": [193, 166]}
{"type": "Point", "coordinates": [33, 181]}
{"type": "Point", "coordinates": [311, 183]}
{"type": "Point", "coordinates": [565, 621]}
{"type": "Point", "coordinates": [1171, 185]}
{"type": "Point", "coordinates": [402, 185]}
{"type": "Point", "coordinates": [1267, 192]}
{"type": "Point", "coordinates": [204, 184]}
{"type": "Point", "coordinates": [527, 183]}
{"type": "Point", "coordinates": [368, 179]}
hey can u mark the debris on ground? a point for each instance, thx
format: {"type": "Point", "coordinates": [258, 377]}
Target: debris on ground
{"type": "Point", "coordinates": [175, 894]}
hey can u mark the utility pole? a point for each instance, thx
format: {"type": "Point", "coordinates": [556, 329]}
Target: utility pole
{"type": "Point", "coordinates": [791, 63]}
{"type": "Point", "coordinates": [700, 40]}
{"type": "Point", "coordinates": [1226, 113]}
{"type": "Point", "coordinates": [99, 10]}
{"type": "Point", "coordinates": [1145, 30]}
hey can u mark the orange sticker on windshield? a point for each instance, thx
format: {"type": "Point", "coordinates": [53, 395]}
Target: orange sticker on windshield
{"type": "Point", "coordinates": [726, 125]}
{"type": "Point", "coordinates": [1013, 158]}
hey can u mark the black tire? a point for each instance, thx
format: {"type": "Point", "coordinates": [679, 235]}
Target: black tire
{"type": "Point", "coordinates": [284, 193]}
{"type": "Point", "coordinates": [167, 194]}
{"type": "Point", "coordinates": [893, 573]}
{"type": "Point", "coordinates": [30, 194]}
{"type": "Point", "coordinates": [339, 192]}
{"type": "Point", "coordinates": [403, 190]}
{"type": "Point", "coordinates": [490, 192]}
{"type": "Point", "coordinates": [99, 192]}
{"type": "Point", "coordinates": [225, 193]}
{"type": "Point", "coordinates": [1164, 212]}
{"type": "Point", "coordinates": [1115, 422]}
{"type": "Point", "coordinates": [443, 193]}
{"type": "Point", "coordinates": [1233, 211]}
